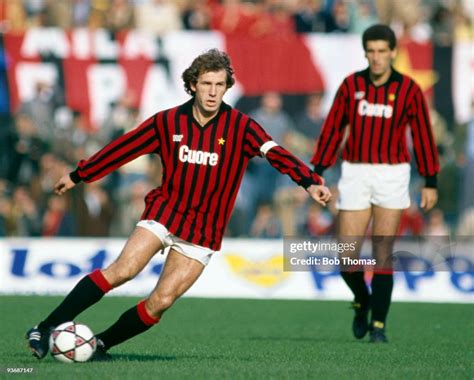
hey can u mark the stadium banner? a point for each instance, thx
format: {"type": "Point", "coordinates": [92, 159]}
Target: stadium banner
{"type": "Point", "coordinates": [94, 68]}
{"type": "Point", "coordinates": [243, 269]}
{"type": "Point", "coordinates": [463, 81]}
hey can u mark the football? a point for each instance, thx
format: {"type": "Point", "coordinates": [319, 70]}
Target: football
{"type": "Point", "coordinates": [72, 342]}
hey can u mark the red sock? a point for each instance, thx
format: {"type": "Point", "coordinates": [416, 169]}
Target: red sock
{"type": "Point", "coordinates": [131, 323]}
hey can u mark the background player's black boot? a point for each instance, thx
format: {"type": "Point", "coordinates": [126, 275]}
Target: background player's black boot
{"type": "Point", "coordinates": [361, 304]}
{"type": "Point", "coordinates": [377, 333]}
{"type": "Point", "coordinates": [360, 323]}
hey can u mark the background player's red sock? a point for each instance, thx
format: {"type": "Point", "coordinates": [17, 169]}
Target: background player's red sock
{"type": "Point", "coordinates": [382, 285]}
{"type": "Point", "coordinates": [87, 292]}
{"type": "Point", "coordinates": [131, 323]}
{"type": "Point", "coordinates": [355, 281]}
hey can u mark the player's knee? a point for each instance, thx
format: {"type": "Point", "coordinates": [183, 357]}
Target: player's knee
{"type": "Point", "coordinates": [383, 245]}
{"type": "Point", "coordinates": [385, 239]}
{"type": "Point", "coordinates": [118, 275]}
{"type": "Point", "coordinates": [159, 303]}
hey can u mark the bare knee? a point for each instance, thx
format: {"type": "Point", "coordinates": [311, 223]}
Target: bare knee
{"type": "Point", "coordinates": [158, 304]}
{"type": "Point", "coordinates": [383, 244]}
{"type": "Point", "coordinates": [117, 274]}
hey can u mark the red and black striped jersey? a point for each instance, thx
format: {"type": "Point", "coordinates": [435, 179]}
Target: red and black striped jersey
{"type": "Point", "coordinates": [378, 117]}
{"type": "Point", "coordinates": [203, 167]}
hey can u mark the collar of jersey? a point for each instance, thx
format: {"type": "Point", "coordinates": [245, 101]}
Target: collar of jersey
{"type": "Point", "coordinates": [395, 76]}
{"type": "Point", "coordinates": [187, 109]}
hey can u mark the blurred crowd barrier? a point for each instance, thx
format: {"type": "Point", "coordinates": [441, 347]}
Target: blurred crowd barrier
{"type": "Point", "coordinates": [431, 271]}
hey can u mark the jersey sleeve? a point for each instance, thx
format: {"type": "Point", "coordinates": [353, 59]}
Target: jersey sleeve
{"type": "Point", "coordinates": [424, 146]}
{"type": "Point", "coordinates": [139, 141]}
{"type": "Point", "coordinates": [259, 143]}
{"type": "Point", "coordinates": [332, 133]}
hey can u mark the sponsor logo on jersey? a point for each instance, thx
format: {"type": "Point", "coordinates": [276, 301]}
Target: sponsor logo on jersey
{"type": "Point", "coordinates": [376, 110]}
{"type": "Point", "coordinates": [359, 94]}
{"type": "Point", "coordinates": [197, 157]}
{"type": "Point", "coordinates": [177, 138]}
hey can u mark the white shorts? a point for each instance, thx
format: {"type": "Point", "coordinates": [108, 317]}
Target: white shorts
{"type": "Point", "coordinates": [193, 251]}
{"type": "Point", "coordinates": [363, 185]}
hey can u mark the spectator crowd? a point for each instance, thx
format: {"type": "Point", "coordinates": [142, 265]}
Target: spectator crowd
{"type": "Point", "coordinates": [43, 139]}
{"type": "Point", "coordinates": [443, 20]}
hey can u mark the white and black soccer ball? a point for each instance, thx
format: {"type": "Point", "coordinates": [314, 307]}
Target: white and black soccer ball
{"type": "Point", "coordinates": [72, 342]}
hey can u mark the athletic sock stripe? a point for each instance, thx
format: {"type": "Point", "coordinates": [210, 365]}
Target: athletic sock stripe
{"type": "Point", "coordinates": [146, 318]}
{"type": "Point", "coordinates": [98, 278]}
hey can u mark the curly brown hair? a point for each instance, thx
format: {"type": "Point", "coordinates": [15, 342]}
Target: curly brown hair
{"type": "Point", "coordinates": [212, 60]}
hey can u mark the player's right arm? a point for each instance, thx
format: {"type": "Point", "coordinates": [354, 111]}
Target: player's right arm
{"type": "Point", "coordinates": [332, 133]}
{"type": "Point", "coordinates": [139, 141]}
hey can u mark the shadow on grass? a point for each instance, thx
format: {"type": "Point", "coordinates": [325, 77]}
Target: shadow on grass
{"type": "Point", "coordinates": [150, 358]}
{"type": "Point", "coordinates": [207, 357]}
{"type": "Point", "coordinates": [301, 339]}
{"type": "Point", "coordinates": [284, 338]}
{"type": "Point", "coordinates": [142, 358]}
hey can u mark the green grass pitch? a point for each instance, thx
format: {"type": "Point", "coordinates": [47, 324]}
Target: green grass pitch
{"type": "Point", "coordinates": [255, 339]}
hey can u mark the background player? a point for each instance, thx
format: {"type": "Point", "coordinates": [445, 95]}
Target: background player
{"type": "Point", "coordinates": [205, 146]}
{"type": "Point", "coordinates": [378, 104]}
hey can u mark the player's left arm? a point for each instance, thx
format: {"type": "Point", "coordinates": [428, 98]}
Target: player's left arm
{"type": "Point", "coordinates": [320, 194]}
{"type": "Point", "coordinates": [260, 143]}
{"type": "Point", "coordinates": [64, 184]}
{"type": "Point", "coordinates": [424, 147]}
{"type": "Point", "coordinates": [286, 163]}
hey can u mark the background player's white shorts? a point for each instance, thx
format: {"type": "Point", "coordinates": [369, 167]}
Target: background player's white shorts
{"type": "Point", "coordinates": [363, 185]}
{"type": "Point", "coordinates": [193, 251]}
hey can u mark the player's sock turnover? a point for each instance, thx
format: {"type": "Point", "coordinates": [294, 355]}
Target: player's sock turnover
{"type": "Point", "coordinates": [131, 323]}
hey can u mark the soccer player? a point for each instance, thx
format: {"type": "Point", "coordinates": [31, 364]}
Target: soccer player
{"type": "Point", "coordinates": [205, 146]}
{"type": "Point", "coordinates": [377, 104]}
